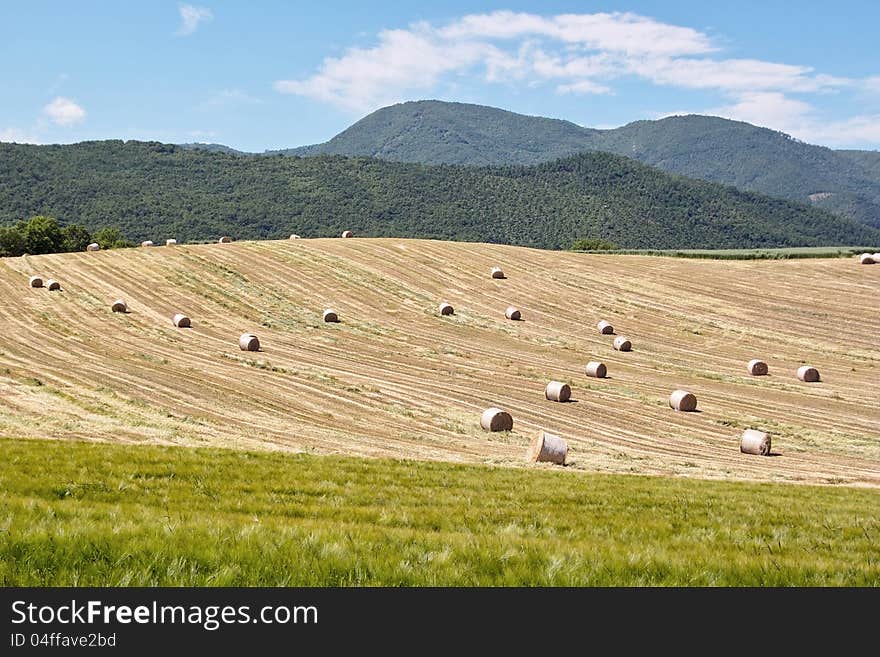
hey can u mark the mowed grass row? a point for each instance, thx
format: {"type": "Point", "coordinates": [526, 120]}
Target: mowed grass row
{"type": "Point", "coordinates": [101, 514]}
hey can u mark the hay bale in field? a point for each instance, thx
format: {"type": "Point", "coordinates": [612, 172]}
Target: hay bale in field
{"type": "Point", "coordinates": [757, 367]}
{"type": "Point", "coordinates": [181, 321]}
{"type": "Point", "coordinates": [557, 391]}
{"type": "Point", "coordinates": [867, 259]}
{"type": "Point", "coordinates": [513, 313]}
{"type": "Point", "coordinates": [875, 257]}
{"type": "Point", "coordinates": [755, 442]}
{"type": "Point", "coordinates": [35, 281]}
{"type": "Point", "coordinates": [494, 419]}
{"type": "Point", "coordinates": [330, 316]}
{"type": "Point", "coordinates": [808, 374]}
{"type": "Point", "coordinates": [52, 284]}
{"type": "Point", "coordinates": [682, 400]}
{"type": "Point", "coordinates": [295, 237]}
{"type": "Point", "coordinates": [94, 246]}
{"type": "Point", "coordinates": [446, 309]}
{"type": "Point", "coordinates": [249, 342]}
{"type": "Point", "coordinates": [605, 328]}
{"type": "Point", "coordinates": [171, 242]}
{"type": "Point", "coordinates": [622, 344]}
{"type": "Point", "coordinates": [119, 306]}
{"type": "Point", "coordinates": [497, 273]}
{"type": "Point", "coordinates": [347, 233]}
{"type": "Point", "coordinates": [548, 447]}
{"type": "Point", "coordinates": [224, 240]}
{"type": "Point", "coordinates": [596, 369]}
{"type": "Point", "coordinates": [147, 243]}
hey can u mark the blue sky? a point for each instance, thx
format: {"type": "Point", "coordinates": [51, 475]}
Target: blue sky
{"type": "Point", "coordinates": [263, 75]}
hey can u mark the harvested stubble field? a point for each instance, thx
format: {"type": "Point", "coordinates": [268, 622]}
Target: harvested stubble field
{"type": "Point", "coordinates": [394, 379]}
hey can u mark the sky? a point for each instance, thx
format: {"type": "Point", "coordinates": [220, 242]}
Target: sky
{"type": "Point", "coordinates": [267, 75]}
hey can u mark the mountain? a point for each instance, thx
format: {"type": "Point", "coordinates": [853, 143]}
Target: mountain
{"type": "Point", "coordinates": [710, 148]}
{"type": "Point", "coordinates": [154, 191]}
{"type": "Point", "coordinates": [435, 132]}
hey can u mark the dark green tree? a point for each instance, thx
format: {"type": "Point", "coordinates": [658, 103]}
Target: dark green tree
{"type": "Point", "coordinates": [42, 235]}
{"type": "Point", "coordinates": [111, 238]}
{"type": "Point", "coordinates": [11, 241]}
{"type": "Point", "coordinates": [75, 237]}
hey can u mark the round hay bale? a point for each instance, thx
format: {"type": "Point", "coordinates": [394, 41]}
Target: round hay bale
{"type": "Point", "coordinates": [513, 313]}
{"type": "Point", "coordinates": [182, 321]}
{"type": "Point", "coordinates": [52, 284]}
{"type": "Point", "coordinates": [497, 273]}
{"type": "Point", "coordinates": [224, 240]}
{"type": "Point", "coordinates": [875, 257]}
{"type": "Point", "coordinates": [119, 306]}
{"type": "Point", "coordinates": [347, 233]}
{"type": "Point", "coordinates": [330, 316]}
{"type": "Point", "coordinates": [605, 328]}
{"type": "Point", "coordinates": [682, 400]}
{"type": "Point", "coordinates": [494, 419]}
{"type": "Point", "coordinates": [808, 374]}
{"type": "Point", "coordinates": [295, 237]}
{"type": "Point", "coordinates": [249, 342]}
{"type": "Point", "coordinates": [94, 246]}
{"type": "Point", "coordinates": [755, 442]}
{"type": "Point", "coordinates": [867, 259]}
{"type": "Point", "coordinates": [757, 367]}
{"type": "Point", "coordinates": [549, 448]}
{"type": "Point", "coordinates": [446, 309]}
{"type": "Point", "coordinates": [557, 391]}
{"type": "Point", "coordinates": [35, 281]}
{"type": "Point", "coordinates": [147, 243]}
{"type": "Point", "coordinates": [622, 344]}
{"type": "Point", "coordinates": [596, 369]}
{"type": "Point", "coordinates": [171, 242]}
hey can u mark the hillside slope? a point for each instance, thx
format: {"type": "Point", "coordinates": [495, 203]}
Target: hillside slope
{"type": "Point", "coordinates": [395, 379]}
{"type": "Point", "coordinates": [154, 191]}
{"type": "Point", "coordinates": [705, 147]}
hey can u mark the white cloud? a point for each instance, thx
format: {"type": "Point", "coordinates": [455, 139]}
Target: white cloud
{"type": "Point", "coordinates": [64, 112]}
{"type": "Point", "coordinates": [578, 53]}
{"type": "Point", "coordinates": [800, 119]}
{"type": "Point", "coordinates": [403, 61]}
{"type": "Point", "coordinates": [190, 18]}
{"type": "Point", "coordinates": [18, 136]}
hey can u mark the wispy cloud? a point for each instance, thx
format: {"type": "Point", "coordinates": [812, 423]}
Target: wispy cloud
{"type": "Point", "coordinates": [576, 53]}
{"type": "Point", "coordinates": [191, 16]}
{"type": "Point", "coordinates": [17, 136]}
{"type": "Point", "coordinates": [64, 112]}
{"type": "Point", "coordinates": [800, 119]}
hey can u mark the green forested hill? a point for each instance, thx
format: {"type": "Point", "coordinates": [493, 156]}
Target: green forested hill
{"type": "Point", "coordinates": [705, 147]}
{"type": "Point", "coordinates": [435, 132]}
{"type": "Point", "coordinates": [154, 191]}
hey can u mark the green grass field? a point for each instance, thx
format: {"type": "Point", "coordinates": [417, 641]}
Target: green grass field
{"type": "Point", "coordinates": [748, 254]}
{"type": "Point", "coordinates": [96, 514]}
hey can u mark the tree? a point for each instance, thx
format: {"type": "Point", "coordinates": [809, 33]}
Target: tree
{"type": "Point", "coordinates": [41, 235]}
{"type": "Point", "coordinates": [75, 238]}
{"type": "Point", "coordinates": [111, 238]}
{"type": "Point", "coordinates": [11, 242]}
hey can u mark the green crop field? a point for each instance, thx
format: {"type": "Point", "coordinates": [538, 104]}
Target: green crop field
{"type": "Point", "coordinates": [102, 514]}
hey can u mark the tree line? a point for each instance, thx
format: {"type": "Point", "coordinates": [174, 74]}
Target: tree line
{"type": "Point", "coordinates": [42, 234]}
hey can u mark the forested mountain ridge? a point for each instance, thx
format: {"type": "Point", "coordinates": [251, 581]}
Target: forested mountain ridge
{"type": "Point", "coordinates": [156, 191]}
{"type": "Point", "coordinates": [705, 147]}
